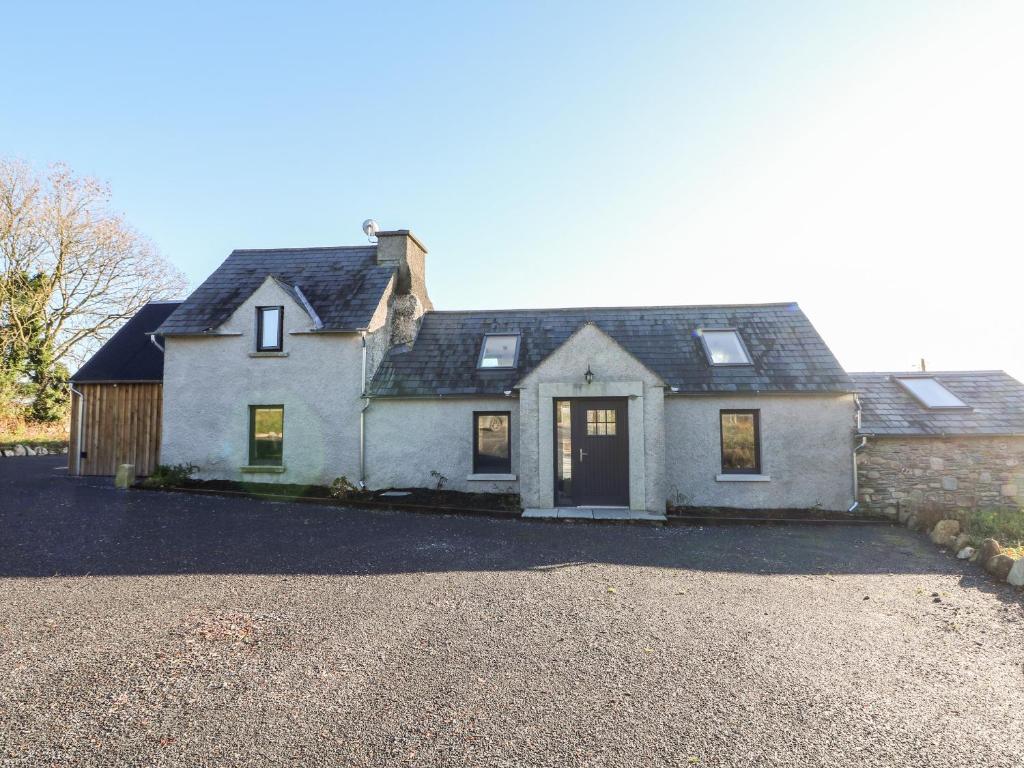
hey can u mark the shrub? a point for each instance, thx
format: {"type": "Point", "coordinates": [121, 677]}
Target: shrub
{"type": "Point", "coordinates": [929, 513]}
{"type": "Point", "coordinates": [170, 475]}
{"type": "Point", "coordinates": [342, 488]}
{"type": "Point", "coordinates": [16, 430]}
{"type": "Point", "coordinates": [440, 480]}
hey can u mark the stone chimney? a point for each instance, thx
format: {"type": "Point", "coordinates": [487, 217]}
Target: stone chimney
{"type": "Point", "coordinates": [400, 248]}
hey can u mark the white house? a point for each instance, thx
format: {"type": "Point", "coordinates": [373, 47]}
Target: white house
{"type": "Point", "coordinates": [302, 365]}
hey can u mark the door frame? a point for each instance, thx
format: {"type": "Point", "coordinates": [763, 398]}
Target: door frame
{"type": "Point", "coordinates": [537, 439]}
{"type": "Point", "coordinates": [623, 409]}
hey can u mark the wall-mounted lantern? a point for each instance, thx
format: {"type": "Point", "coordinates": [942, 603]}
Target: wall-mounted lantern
{"type": "Point", "coordinates": [589, 375]}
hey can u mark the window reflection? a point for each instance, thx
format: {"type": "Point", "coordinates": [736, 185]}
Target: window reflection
{"type": "Point", "coordinates": [563, 448]}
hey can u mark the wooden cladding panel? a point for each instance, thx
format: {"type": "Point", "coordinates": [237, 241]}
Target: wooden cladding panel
{"type": "Point", "coordinates": [122, 426]}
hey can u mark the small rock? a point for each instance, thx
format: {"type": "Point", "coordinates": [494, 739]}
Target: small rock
{"type": "Point", "coordinates": [945, 532]}
{"type": "Point", "coordinates": [904, 515]}
{"type": "Point", "coordinates": [961, 541]}
{"type": "Point", "coordinates": [29, 451]}
{"type": "Point", "coordinates": [7, 452]}
{"type": "Point", "coordinates": [19, 450]}
{"type": "Point", "coordinates": [966, 553]}
{"type": "Point", "coordinates": [64, 450]}
{"type": "Point", "coordinates": [912, 523]}
{"type": "Point", "coordinates": [1016, 575]}
{"type": "Point", "coordinates": [936, 599]}
{"type": "Point", "coordinates": [989, 548]}
{"type": "Point", "coordinates": [41, 451]}
{"type": "Point", "coordinates": [1000, 566]}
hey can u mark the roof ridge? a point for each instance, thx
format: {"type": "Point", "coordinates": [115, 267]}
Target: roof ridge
{"type": "Point", "coordinates": [973, 372]}
{"type": "Point", "coordinates": [369, 246]}
{"type": "Point", "coordinates": [620, 307]}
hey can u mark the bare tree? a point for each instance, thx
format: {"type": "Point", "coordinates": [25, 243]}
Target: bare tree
{"type": "Point", "coordinates": [71, 270]}
{"type": "Point", "coordinates": [20, 248]}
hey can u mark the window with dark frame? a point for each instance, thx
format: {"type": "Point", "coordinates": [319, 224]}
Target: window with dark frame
{"type": "Point", "coordinates": [492, 442]}
{"type": "Point", "coordinates": [266, 435]}
{"type": "Point", "coordinates": [269, 329]}
{"type": "Point", "coordinates": [741, 442]}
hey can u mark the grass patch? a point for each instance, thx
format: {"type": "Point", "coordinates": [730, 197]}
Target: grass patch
{"type": "Point", "coordinates": [32, 434]}
{"type": "Point", "coordinates": [1004, 525]}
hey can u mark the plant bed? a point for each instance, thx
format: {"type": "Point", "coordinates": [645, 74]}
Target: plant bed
{"type": "Point", "coordinates": [423, 499]}
{"type": "Point", "coordinates": [737, 515]}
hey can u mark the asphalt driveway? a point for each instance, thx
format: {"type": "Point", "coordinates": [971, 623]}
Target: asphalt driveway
{"type": "Point", "coordinates": [143, 628]}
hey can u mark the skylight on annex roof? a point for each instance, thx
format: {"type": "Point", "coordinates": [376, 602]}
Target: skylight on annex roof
{"type": "Point", "coordinates": [929, 392]}
{"type": "Point", "coordinates": [724, 346]}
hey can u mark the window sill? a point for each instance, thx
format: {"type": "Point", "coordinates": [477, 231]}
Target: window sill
{"type": "Point", "coordinates": [491, 476]}
{"type": "Point", "coordinates": [738, 478]}
{"type": "Point", "coordinates": [268, 354]}
{"type": "Point", "coordinates": [270, 469]}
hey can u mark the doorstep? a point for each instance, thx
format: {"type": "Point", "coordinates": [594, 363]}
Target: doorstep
{"type": "Point", "coordinates": [593, 513]}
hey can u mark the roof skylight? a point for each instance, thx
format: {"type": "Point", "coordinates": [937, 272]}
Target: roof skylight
{"type": "Point", "coordinates": [930, 393]}
{"type": "Point", "coordinates": [499, 350]}
{"type": "Point", "coordinates": [724, 347]}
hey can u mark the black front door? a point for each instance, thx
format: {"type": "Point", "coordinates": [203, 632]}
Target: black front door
{"type": "Point", "coordinates": [591, 452]}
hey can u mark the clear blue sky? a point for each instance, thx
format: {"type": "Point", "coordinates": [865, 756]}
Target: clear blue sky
{"type": "Point", "coordinates": [862, 158]}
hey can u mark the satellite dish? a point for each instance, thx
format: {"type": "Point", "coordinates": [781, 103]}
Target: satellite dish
{"type": "Point", "coordinates": [371, 228]}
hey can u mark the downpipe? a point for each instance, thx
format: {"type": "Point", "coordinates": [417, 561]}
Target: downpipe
{"type": "Point", "coordinates": [362, 416]}
{"type": "Point", "coordinates": [857, 449]}
{"type": "Point", "coordinates": [79, 431]}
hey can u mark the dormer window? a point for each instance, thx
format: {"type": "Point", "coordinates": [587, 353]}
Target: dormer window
{"type": "Point", "coordinates": [724, 346]}
{"type": "Point", "coordinates": [930, 393]}
{"type": "Point", "coordinates": [499, 350]}
{"type": "Point", "coordinates": [269, 329]}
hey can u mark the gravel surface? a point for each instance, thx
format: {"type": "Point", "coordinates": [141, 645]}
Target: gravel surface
{"type": "Point", "coordinates": [141, 628]}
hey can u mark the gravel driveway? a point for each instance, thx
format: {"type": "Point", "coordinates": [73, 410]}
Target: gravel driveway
{"type": "Point", "coordinates": [167, 629]}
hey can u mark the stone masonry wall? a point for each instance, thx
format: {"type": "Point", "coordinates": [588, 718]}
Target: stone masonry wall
{"type": "Point", "coordinates": [948, 472]}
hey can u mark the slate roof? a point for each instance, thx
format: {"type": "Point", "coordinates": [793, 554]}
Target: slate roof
{"type": "Point", "coordinates": [343, 284]}
{"type": "Point", "coordinates": [996, 402]}
{"type": "Point", "coordinates": [129, 355]}
{"type": "Point", "coordinates": [788, 354]}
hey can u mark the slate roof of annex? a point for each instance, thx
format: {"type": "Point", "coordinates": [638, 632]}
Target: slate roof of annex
{"type": "Point", "coordinates": [995, 403]}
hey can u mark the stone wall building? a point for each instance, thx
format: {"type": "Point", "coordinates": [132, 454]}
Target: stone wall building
{"type": "Point", "coordinates": [299, 366]}
{"type": "Point", "coordinates": [947, 440]}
